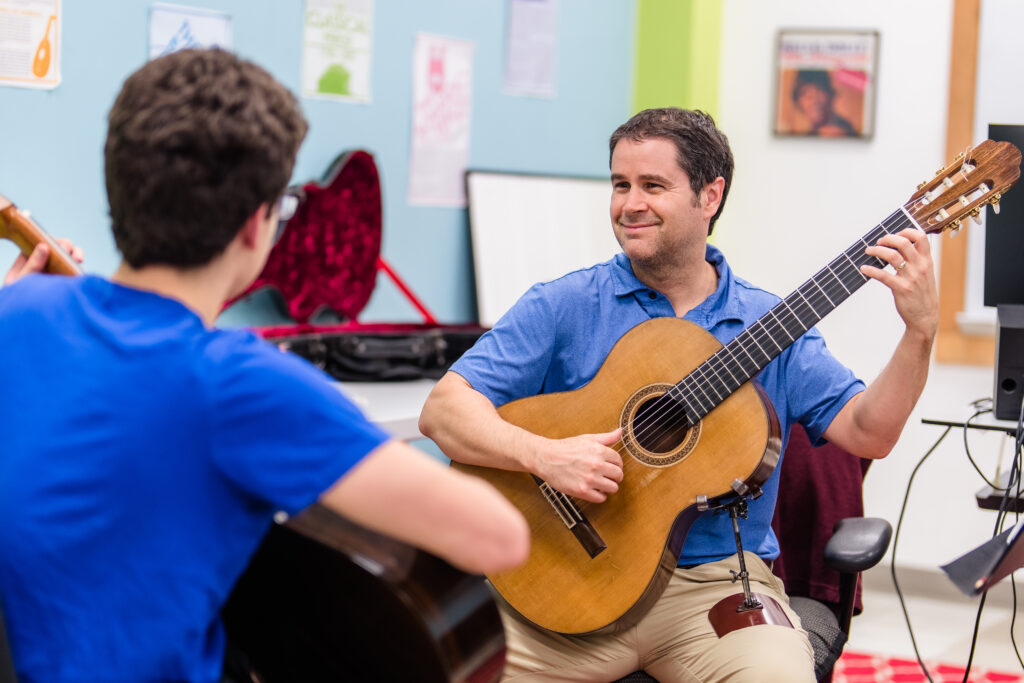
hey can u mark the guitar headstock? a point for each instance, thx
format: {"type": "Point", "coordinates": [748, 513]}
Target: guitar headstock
{"type": "Point", "coordinates": [976, 178]}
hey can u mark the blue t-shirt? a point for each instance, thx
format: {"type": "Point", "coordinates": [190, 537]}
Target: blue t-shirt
{"type": "Point", "coordinates": [142, 457]}
{"type": "Point", "coordinates": [557, 335]}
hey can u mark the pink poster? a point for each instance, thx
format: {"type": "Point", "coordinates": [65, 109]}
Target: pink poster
{"type": "Point", "coordinates": [442, 102]}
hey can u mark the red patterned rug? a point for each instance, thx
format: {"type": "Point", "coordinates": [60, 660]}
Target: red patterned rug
{"type": "Point", "coordinates": [857, 667]}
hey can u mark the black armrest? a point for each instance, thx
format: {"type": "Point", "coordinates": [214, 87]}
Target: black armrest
{"type": "Point", "coordinates": [857, 543]}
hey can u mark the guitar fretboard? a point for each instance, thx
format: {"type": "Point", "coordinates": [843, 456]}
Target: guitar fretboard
{"type": "Point", "coordinates": [750, 351]}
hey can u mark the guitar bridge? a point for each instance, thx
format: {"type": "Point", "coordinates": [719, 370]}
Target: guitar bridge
{"type": "Point", "coordinates": [573, 518]}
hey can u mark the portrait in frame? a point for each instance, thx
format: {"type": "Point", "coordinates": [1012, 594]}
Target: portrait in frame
{"type": "Point", "coordinates": [825, 83]}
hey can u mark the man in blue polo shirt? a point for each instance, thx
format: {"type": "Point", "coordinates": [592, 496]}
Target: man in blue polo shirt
{"type": "Point", "coordinates": [670, 175]}
{"type": "Point", "coordinates": [143, 451]}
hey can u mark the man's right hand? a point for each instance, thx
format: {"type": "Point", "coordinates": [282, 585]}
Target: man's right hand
{"type": "Point", "coordinates": [582, 466]}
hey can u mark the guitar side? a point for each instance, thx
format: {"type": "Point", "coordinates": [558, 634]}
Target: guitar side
{"type": "Point", "coordinates": [561, 587]}
{"type": "Point", "coordinates": [324, 599]}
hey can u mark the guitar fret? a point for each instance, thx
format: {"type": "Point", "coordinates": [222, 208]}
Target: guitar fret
{"type": "Point", "coordinates": [838, 279]}
{"type": "Point", "coordinates": [810, 306]}
{"type": "Point", "coordinates": [822, 290]}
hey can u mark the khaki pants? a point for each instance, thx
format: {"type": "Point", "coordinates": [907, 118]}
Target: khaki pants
{"type": "Point", "coordinates": [674, 641]}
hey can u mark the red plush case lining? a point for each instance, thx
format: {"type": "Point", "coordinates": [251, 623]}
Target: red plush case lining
{"type": "Point", "coordinates": [327, 256]}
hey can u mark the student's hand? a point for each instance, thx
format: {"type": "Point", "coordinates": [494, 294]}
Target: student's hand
{"type": "Point", "coordinates": [36, 261]}
{"type": "Point", "coordinates": [582, 466]}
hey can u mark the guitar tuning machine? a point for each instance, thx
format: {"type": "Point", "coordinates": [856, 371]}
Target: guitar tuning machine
{"type": "Point", "coordinates": [954, 228]}
{"type": "Point", "coordinates": [995, 201]}
{"type": "Point", "coordinates": [976, 215]}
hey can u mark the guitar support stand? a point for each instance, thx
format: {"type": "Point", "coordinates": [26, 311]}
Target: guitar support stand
{"type": "Point", "coordinates": [747, 608]}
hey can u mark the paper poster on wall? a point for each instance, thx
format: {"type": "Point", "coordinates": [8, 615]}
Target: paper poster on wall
{"type": "Point", "coordinates": [30, 45]}
{"type": "Point", "coordinates": [442, 97]}
{"type": "Point", "coordinates": [174, 27]}
{"type": "Point", "coordinates": [337, 44]}
{"type": "Point", "coordinates": [531, 46]}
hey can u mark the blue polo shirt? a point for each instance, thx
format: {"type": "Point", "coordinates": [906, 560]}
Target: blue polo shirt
{"type": "Point", "coordinates": [558, 334]}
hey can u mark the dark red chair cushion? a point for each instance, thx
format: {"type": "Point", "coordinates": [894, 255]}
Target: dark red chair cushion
{"type": "Point", "coordinates": [818, 486]}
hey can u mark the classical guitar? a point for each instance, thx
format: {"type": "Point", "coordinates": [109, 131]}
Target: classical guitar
{"type": "Point", "coordinates": [695, 428]}
{"type": "Point", "coordinates": [324, 599]}
{"type": "Point", "coordinates": [17, 226]}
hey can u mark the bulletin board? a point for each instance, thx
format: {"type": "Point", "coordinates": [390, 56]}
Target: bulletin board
{"type": "Point", "coordinates": [526, 229]}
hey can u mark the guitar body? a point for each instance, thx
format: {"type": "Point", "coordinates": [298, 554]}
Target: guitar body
{"type": "Point", "coordinates": [561, 587]}
{"type": "Point", "coordinates": [326, 600]}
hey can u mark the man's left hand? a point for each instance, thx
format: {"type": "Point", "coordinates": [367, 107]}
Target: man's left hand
{"type": "Point", "coordinates": [912, 279]}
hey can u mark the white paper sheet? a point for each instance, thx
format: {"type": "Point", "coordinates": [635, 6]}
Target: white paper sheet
{"type": "Point", "coordinates": [30, 43]}
{"type": "Point", "coordinates": [174, 27]}
{"type": "Point", "coordinates": [531, 47]}
{"type": "Point", "coordinates": [337, 46]}
{"type": "Point", "coordinates": [442, 100]}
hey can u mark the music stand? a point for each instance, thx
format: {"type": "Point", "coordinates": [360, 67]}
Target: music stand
{"type": "Point", "coordinates": [978, 570]}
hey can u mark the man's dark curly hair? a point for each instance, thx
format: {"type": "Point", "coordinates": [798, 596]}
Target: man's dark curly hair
{"type": "Point", "coordinates": [197, 141]}
{"type": "Point", "coordinates": [702, 150]}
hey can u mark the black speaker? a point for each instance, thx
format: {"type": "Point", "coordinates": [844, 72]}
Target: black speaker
{"type": "Point", "coordinates": [1009, 379]}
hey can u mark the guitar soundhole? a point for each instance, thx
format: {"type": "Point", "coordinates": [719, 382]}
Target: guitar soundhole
{"type": "Point", "coordinates": [655, 429]}
{"type": "Point", "coordinates": [660, 426]}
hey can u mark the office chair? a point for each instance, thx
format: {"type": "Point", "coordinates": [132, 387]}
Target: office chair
{"type": "Point", "coordinates": [821, 561]}
{"type": "Point", "coordinates": [6, 664]}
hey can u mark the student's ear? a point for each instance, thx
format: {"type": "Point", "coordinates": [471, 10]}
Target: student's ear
{"type": "Point", "coordinates": [251, 232]}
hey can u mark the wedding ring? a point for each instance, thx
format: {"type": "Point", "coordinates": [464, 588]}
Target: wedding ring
{"type": "Point", "coordinates": [902, 265]}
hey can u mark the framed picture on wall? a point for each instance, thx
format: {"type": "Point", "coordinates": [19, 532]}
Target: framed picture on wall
{"type": "Point", "coordinates": [825, 83]}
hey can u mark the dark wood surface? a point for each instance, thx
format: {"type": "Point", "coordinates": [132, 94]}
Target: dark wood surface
{"type": "Point", "coordinates": [326, 600]}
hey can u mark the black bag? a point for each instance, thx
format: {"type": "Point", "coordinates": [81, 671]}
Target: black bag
{"type": "Point", "coordinates": [419, 352]}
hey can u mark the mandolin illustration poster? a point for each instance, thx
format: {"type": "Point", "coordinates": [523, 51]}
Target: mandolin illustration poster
{"type": "Point", "coordinates": [30, 50]}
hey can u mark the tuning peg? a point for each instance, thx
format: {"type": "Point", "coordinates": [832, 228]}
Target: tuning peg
{"type": "Point", "coordinates": [995, 202]}
{"type": "Point", "coordinates": [921, 184]}
{"type": "Point", "coordinates": [976, 215]}
{"type": "Point", "coordinates": [954, 228]}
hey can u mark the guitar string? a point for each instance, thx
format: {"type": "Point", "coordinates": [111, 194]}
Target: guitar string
{"type": "Point", "coordinates": [707, 371]}
{"type": "Point", "coordinates": [704, 374]}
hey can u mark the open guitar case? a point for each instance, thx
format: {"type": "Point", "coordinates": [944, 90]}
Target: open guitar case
{"type": "Point", "coordinates": [329, 258]}
{"type": "Point", "coordinates": [323, 599]}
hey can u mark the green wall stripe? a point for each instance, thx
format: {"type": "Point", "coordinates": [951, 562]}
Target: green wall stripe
{"type": "Point", "coordinates": [678, 48]}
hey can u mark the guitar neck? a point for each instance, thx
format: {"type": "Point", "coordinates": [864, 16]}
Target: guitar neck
{"type": "Point", "coordinates": [16, 226]}
{"type": "Point", "coordinates": [750, 351]}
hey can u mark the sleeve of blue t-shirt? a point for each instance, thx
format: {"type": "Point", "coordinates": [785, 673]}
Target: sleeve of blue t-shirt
{"type": "Point", "coordinates": [281, 431]}
{"type": "Point", "coordinates": [817, 385]}
{"type": "Point", "coordinates": [512, 359]}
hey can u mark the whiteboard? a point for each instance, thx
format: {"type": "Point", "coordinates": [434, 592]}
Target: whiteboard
{"type": "Point", "coordinates": [526, 229]}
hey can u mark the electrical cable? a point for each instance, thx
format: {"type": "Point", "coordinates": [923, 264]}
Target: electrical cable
{"type": "Point", "coordinates": [895, 542]}
{"type": "Point", "coordinates": [1014, 482]}
{"type": "Point", "coordinates": [967, 449]}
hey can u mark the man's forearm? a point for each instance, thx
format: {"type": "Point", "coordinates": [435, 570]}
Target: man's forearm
{"type": "Point", "coordinates": [464, 424]}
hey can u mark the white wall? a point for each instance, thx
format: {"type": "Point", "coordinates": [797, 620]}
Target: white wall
{"type": "Point", "coordinates": [802, 201]}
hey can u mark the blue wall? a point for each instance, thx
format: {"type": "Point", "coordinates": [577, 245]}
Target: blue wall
{"type": "Point", "coordinates": [52, 141]}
